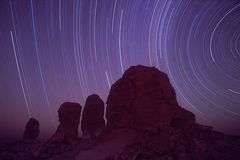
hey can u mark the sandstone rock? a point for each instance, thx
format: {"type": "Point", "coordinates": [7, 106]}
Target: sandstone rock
{"type": "Point", "coordinates": [31, 131]}
{"type": "Point", "coordinates": [144, 98]}
{"type": "Point", "coordinates": [93, 116]}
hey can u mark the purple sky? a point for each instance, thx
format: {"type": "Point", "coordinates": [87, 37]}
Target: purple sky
{"type": "Point", "coordinates": [53, 51]}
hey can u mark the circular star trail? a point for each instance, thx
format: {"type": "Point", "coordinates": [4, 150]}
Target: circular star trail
{"type": "Point", "coordinates": [53, 51]}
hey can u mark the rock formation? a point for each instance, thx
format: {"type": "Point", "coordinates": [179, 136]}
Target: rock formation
{"type": "Point", "coordinates": [27, 148]}
{"type": "Point", "coordinates": [31, 131]}
{"type": "Point", "coordinates": [66, 135]}
{"type": "Point", "coordinates": [144, 98]}
{"type": "Point", "coordinates": [144, 122]}
{"type": "Point", "coordinates": [69, 117]}
{"type": "Point", "coordinates": [93, 116]}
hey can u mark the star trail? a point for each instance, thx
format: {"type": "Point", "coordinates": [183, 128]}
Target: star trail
{"type": "Point", "coordinates": [52, 51]}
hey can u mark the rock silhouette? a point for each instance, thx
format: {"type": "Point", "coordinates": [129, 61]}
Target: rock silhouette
{"type": "Point", "coordinates": [144, 98]}
{"type": "Point", "coordinates": [93, 116]}
{"type": "Point", "coordinates": [66, 135]}
{"type": "Point", "coordinates": [27, 148]}
{"type": "Point", "coordinates": [31, 131]}
{"type": "Point", "coordinates": [69, 117]}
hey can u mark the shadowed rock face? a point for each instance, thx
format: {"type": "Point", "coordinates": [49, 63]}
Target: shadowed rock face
{"type": "Point", "coordinates": [143, 98]}
{"type": "Point", "coordinates": [93, 116]}
{"type": "Point", "coordinates": [31, 131]}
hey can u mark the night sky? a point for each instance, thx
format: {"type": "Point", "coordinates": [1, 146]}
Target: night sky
{"type": "Point", "coordinates": [53, 51]}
